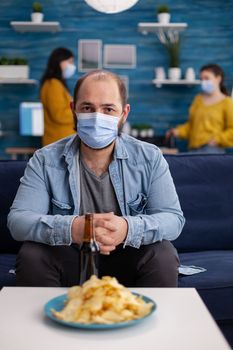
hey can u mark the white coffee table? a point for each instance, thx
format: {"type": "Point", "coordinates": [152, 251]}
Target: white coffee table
{"type": "Point", "coordinates": [180, 322]}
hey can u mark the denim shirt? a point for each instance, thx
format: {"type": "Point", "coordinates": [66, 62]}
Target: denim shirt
{"type": "Point", "coordinates": [48, 198]}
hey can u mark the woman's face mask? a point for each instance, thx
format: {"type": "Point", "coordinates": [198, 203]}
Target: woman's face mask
{"type": "Point", "coordinates": [210, 82]}
{"type": "Point", "coordinates": [97, 130]}
{"type": "Point", "coordinates": [68, 71]}
{"type": "Point", "coordinates": [207, 86]}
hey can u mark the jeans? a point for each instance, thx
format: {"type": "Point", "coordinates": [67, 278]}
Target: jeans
{"type": "Point", "coordinates": [154, 265]}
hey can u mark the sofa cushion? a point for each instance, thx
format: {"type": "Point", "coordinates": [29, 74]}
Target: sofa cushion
{"type": "Point", "coordinates": [10, 174]}
{"type": "Point", "coordinates": [215, 285]}
{"type": "Point", "coordinates": [7, 267]}
{"type": "Point", "coordinates": [204, 186]}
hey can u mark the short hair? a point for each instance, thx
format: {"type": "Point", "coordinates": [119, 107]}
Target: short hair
{"type": "Point", "coordinates": [101, 74]}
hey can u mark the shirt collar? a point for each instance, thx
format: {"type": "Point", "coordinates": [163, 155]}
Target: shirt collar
{"type": "Point", "coordinates": [72, 147]}
{"type": "Point", "coordinates": [120, 150]}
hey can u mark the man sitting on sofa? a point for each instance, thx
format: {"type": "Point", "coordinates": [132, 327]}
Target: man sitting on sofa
{"type": "Point", "coordinates": [125, 182]}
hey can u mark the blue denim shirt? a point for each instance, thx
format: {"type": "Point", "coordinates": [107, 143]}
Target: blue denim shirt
{"type": "Point", "coordinates": [48, 198]}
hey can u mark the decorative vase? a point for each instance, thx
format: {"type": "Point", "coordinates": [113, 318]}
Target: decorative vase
{"type": "Point", "coordinates": [174, 73]}
{"type": "Point", "coordinates": [160, 73]}
{"type": "Point", "coordinates": [14, 71]}
{"type": "Point", "coordinates": [134, 132]}
{"type": "Point", "coordinates": [164, 18]}
{"type": "Point", "coordinates": [37, 17]}
{"type": "Point", "coordinates": [190, 74]}
{"type": "Point", "coordinates": [150, 132]}
{"type": "Point", "coordinates": [143, 133]}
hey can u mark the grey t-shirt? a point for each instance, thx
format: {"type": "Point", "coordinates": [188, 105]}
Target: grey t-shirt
{"type": "Point", "coordinates": [97, 192]}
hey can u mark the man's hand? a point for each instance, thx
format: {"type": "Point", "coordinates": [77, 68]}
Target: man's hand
{"type": "Point", "coordinates": [78, 226]}
{"type": "Point", "coordinates": [110, 230]}
{"type": "Point", "coordinates": [77, 229]}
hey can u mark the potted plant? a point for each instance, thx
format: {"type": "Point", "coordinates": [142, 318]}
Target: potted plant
{"type": "Point", "coordinates": [37, 15]}
{"type": "Point", "coordinates": [13, 68]}
{"type": "Point", "coordinates": [174, 72]}
{"type": "Point", "coordinates": [163, 14]}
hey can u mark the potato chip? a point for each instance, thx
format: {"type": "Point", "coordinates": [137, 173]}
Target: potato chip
{"type": "Point", "coordinates": [103, 301]}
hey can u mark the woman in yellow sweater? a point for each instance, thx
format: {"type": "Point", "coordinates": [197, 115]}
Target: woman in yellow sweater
{"type": "Point", "coordinates": [209, 128]}
{"type": "Point", "coordinates": [55, 97]}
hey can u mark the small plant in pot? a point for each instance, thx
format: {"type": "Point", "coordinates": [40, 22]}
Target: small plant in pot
{"type": "Point", "coordinates": [37, 15]}
{"type": "Point", "coordinates": [17, 61]}
{"type": "Point", "coordinates": [174, 72]}
{"type": "Point", "coordinates": [14, 68]}
{"type": "Point", "coordinates": [163, 14]}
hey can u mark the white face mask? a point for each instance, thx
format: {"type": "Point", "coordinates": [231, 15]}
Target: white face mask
{"type": "Point", "coordinates": [97, 130]}
{"type": "Point", "coordinates": [69, 71]}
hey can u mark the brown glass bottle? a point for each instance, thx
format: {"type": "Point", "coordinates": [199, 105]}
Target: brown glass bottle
{"type": "Point", "coordinates": [89, 251]}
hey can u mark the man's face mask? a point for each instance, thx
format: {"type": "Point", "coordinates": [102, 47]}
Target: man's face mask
{"type": "Point", "coordinates": [97, 130]}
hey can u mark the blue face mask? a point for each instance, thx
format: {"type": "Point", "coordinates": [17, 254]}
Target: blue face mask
{"type": "Point", "coordinates": [97, 130]}
{"type": "Point", "coordinates": [69, 71]}
{"type": "Point", "coordinates": [207, 86]}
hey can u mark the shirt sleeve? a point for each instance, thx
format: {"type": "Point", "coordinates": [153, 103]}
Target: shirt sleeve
{"type": "Point", "coordinates": [28, 219]}
{"type": "Point", "coordinates": [225, 138]}
{"type": "Point", "coordinates": [162, 217]}
{"type": "Point", "coordinates": [56, 103]}
{"type": "Point", "coordinates": [184, 129]}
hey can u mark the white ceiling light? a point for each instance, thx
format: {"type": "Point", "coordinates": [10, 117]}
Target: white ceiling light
{"type": "Point", "coordinates": [111, 6]}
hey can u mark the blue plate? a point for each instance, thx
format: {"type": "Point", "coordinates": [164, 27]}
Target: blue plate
{"type": "Point", "coordinates": [58, 303]}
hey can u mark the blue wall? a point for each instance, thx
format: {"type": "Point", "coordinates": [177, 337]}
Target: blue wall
{"type": "Point", "coordinates": [208, 38]}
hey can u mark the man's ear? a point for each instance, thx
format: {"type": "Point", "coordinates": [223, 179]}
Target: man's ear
{"type": "Point", "coordinates": [126, 111]}
{"type": "Point", "coordinates": [74, 116]}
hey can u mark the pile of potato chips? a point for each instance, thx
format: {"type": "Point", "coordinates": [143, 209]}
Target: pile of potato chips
{"type": "Point", "coordinates": [102, 301]}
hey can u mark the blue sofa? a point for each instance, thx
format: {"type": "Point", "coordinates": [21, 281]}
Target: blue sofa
{"type": "Point", "coordinates": [205, 188]}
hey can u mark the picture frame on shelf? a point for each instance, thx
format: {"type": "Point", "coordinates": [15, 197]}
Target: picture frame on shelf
{"type": "Point", "coordinates": [89, 54]}
{"type": "Point", "coordinates": [119, 56]}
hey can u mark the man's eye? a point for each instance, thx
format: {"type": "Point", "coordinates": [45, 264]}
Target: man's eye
{"type": "Point", "coordinates": [109, 110]}
{"type": "Point", "coordinates": [86, 109]}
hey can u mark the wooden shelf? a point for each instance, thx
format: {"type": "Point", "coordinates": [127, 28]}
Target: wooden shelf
{"type": "Point", "coordinates": [166, 150]}
{"type": "Point", "coordinates": [159, 83]}
{"type": "Point", "coordinates": [151, 27]}
{"type": "Point", "coordinates": [22, 151]}
{"type": "Point", "coordinates": [36, 27]}
{"type": "Point", "coordinates": [18, 81]}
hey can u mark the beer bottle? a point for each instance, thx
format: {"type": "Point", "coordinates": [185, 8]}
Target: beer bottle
{"type": "Point", "coordinates": [89, 251]}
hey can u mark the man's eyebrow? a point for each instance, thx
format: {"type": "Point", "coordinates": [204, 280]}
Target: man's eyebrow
{"type": "Point", "coordinates": [86, 103]}
{"type": "Point", "coordinates": [108, 105]}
